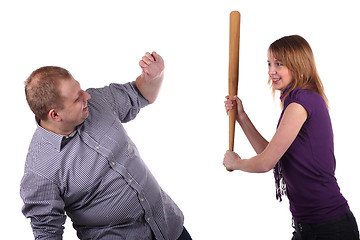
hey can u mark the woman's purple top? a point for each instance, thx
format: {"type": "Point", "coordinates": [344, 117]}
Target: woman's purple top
{"type": "Point", "coordinates": [308, 166]}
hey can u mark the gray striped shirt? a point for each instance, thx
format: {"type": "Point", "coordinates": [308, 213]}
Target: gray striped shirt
{"type": "Point", "coordinates": [97, 177]}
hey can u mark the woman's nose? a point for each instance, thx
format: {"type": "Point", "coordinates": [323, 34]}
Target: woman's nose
{"type": "Point", "coordinates": [271, 70]}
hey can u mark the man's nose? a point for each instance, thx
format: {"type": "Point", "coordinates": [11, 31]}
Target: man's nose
{"type": "Point", "coordinates": [87, 96]}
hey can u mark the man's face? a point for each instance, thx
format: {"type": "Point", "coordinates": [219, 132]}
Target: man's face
{"type": "Point", "coordinates": [75, 109]}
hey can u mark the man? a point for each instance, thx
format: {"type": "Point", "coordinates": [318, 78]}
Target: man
{"type": "Point", "coordinates": [82, 163]}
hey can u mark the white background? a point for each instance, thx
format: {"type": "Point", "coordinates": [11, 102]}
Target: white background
{"type": "Point", "coordinates": [183, 136]}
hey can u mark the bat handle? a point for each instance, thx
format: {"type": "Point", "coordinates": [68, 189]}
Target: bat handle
{"type": "Point", "coordinates": [232, 122]}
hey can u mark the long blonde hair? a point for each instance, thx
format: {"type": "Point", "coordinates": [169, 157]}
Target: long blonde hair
{"type": "Point", "coordinates": [296, 54]}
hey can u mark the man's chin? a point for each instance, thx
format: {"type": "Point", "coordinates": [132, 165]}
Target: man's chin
{"type": "Point", "coordinates": [83, 119]}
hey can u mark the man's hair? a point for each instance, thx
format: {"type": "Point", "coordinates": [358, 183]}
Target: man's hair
{"type": "Point", "coordinates": [296, 54]}
{"type": "Point", "coordinates": [42, 90]}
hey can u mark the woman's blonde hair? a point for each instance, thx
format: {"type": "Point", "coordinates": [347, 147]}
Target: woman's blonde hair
{"type": "Point", "coordinates": [296, 54]}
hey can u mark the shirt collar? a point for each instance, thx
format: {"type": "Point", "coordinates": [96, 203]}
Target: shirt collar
{"type": "Point", "coordinates": [286, 90]}
{"type": "Point", "coordinates": [55, 139]}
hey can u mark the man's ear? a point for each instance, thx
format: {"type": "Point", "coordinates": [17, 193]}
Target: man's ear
{"type": "Point", "coordinates": [53, 115]}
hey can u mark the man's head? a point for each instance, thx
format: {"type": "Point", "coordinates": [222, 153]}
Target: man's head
{"type": "Point", "coordinates": [56, 98]}
{"type": "Point", "coordinates": [42, 90]}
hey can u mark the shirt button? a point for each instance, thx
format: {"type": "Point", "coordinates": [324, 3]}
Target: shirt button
{"type": "Point", "coordinates": [130, 180]}
{"type": "Point", "coordinates": [142, 199]}
{"type": "Point", "coordinates": [97, 147]}
{"type": "Point", "coordinates": [148, 219]}
{"type": "Point", "coordinates": [113, 163]}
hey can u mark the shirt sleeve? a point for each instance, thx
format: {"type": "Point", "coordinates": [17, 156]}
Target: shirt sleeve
{"type": "Point", "coordinates": [305, 98]}
{"type": "Point", "coordinates": [125, 99]}
{"type": "Point", "coordinates": [44, 206]}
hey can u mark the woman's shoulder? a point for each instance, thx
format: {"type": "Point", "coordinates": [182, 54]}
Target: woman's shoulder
{"type": "Point", "coordinates": [308, 98]}
{"type": "Point", "coordinates": [303, 95]}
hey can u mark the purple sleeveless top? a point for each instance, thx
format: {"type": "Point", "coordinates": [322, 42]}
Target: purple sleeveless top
{"type": "Point", "coordinates": [306, 172]}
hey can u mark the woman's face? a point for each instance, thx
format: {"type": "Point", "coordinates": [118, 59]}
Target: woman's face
{"type": "Point", "coordinates": [279, 74]}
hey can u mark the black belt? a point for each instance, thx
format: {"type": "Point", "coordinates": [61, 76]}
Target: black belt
{"type": "Point", "coordinates": [305, 227]}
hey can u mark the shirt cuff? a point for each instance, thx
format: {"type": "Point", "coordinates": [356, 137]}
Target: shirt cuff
{"type": "Point", "coordinates": [143, 101]}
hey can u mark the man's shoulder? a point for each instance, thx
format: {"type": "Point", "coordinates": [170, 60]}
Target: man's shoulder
{"type": "Point", "coordinates": [44, 145]}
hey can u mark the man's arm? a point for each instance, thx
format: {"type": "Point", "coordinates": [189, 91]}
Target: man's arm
{"type": "Point", "coordinates": [45, 207]}
{"type": "Point", "coordinates": [149, 82]}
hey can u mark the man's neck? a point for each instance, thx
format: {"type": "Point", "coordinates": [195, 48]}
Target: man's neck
{"type": "Point", "coordinates": [56, 129]}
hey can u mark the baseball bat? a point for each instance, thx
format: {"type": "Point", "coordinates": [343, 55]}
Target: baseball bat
{"type": "Point", "coordinates": [234, 43]}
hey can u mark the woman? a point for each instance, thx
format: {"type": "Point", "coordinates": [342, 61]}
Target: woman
{"type": "Point", "coordinates": [301, 151]}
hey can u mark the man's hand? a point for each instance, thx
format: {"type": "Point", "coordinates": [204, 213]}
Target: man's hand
{"type": "Point", "coordinates": [152, 66]}
{"type": "Point", "coordinates": [149, 82]}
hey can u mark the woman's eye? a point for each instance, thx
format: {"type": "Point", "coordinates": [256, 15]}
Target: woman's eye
{"type": "Point", "coordinates": [277, 64]}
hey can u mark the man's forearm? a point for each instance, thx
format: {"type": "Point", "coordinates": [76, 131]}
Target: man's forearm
{"type": "Point", "coordinates": [149, 88]}
{"type": "Point", "coordinates": [149, 82]}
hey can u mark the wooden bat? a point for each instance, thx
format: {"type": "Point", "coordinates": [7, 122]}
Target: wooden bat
{"type": "Point", "coordinates": [234, 42]}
